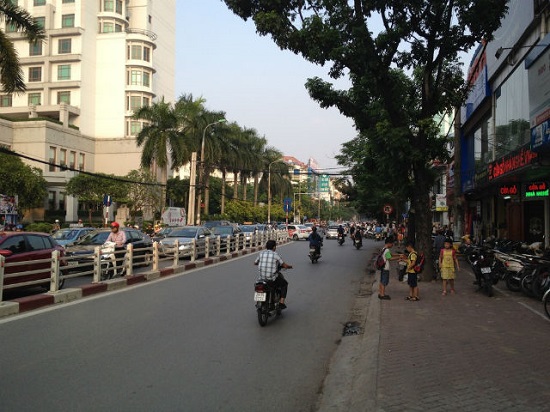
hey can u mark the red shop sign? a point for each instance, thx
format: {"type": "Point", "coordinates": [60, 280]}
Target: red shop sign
{"type": "Point", "coordinates": [509, 190]}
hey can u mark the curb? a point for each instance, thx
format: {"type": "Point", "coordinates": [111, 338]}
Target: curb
{"type": "Point", "coordinates": [33, 302]}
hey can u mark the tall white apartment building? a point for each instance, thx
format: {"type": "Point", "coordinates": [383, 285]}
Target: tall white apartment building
{"type": "Point", "coordinates": [100, 60]}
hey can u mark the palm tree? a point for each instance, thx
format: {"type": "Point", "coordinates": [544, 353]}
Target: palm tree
{"type": "Point", "coordinates": [11, 75]}
{"type": "Point", "coordinates": [228, 157]}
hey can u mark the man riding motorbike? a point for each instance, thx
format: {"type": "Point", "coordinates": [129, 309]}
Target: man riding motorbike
{"type": "Point", "coordinates": [268, 262]}
{"type": "Point", "coordinates": [315, 241]}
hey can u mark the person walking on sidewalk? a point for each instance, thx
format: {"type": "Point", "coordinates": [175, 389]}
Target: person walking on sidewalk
{"type": "Point", "coordinates": [447, 263]}
{"type": "Point", "coordinates": [385, 271]}
{"type": "Point", "coordinates": [412, 276]}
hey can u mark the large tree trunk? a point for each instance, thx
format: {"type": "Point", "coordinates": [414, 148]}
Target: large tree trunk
{"type": "Point", "coordinates": [423, 219]}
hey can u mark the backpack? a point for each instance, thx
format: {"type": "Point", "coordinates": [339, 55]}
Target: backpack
{"type": "Point", "coordinates": [420, 261]}
{"type": "Point", "coordinates": [380, 261]}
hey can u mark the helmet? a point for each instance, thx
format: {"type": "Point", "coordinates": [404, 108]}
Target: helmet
{"type": "Point", "coordinates": [115, 224]}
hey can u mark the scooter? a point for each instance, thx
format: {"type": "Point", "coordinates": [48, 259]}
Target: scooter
{"type": "Point", "coordinates": [267, 298]}
{"type": "Point", "coordinates": [358, 241]}
{"type": "Point", "coordinates": [109, 262]}
{"type": "Point", "coordinates": [314, 253]}
{"type": "Point", "coordinates": [341, 239]}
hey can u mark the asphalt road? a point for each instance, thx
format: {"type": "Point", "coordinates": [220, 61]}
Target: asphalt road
{"type": "Point", "coordinates": [185, 343]}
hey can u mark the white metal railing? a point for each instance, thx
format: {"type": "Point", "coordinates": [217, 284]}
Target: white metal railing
{"type": "Point", "coordinates": [54, 271]}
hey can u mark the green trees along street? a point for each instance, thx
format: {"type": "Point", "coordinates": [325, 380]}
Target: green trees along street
{"type": "Point", "coordinates": [402, 60]}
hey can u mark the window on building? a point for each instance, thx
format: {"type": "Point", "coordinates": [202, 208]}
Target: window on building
{"type": "Point", "coordinates": [136, 52]}
{"type": "Point", "coordinates": [35, 99]}
{"type": "Point", "coordinates": [35, 74]}
{"type": "Point", "coordinates": [67, 20]}
{"type": "Point", "coordinates": [6, 100]}
{"type": "Point", "coordinates": [51, 200]}
{"type": "Point", "coordinates": [11, 28]}
{"type": "Point", "coordinates": [109, 5]}
{"type": "Point", "coordinates": [41, 21]}
{"type": "Point", "coordinates": [61, 201]}
{"type": "Point", "coordinates": [135, 103]}
{"type": "Point", "coordinates": [118, 28]}
{"type": "Point", "coordinates": [13, 2]}
{"type": "Point", "coordinates": [146, 79]}
{"type": "Point", "coordinates": [67, 1]}
{"type": "Point", "coordinates": [64, 97]}
{"type": "Point", "coordinates": [64, 46]}
{"type": "Point", "coordinates": [72, 160]}
{"type": "Point", "coordinates": [35, 48]}
{"type": "Point", "coordinates": [39, 2]}
{"type": "Point", "coordinates": [146, 102]}
{"type": "Point", "coordinates": [63, 157]}
{"type": "Point", "coordinates": [135, 78]}
{"type": "Point", "coordinates": [147, 54]}
{"type": "Point", "coordinates": [119, 6]}
{"type": "Point", "coordinates": [64, 72]}
{"type": "Point", "coordinates": [52, 159]}
{"type": "Point", "coordinates": [135, 128]}
{"type": "Point", "coordinates": [108, 27]}
{"type": "Point", "coordinates": [81, 163]}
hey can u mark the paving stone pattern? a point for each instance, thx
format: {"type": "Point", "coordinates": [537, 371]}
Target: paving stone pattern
{"type": "Point", "coordinates": [463, 352]}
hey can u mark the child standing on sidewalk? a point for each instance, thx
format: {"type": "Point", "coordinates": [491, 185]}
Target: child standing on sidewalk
{"type": "Point", "coordinates": [447, 262]}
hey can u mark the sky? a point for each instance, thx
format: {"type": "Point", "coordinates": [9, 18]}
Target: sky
{"type": "Point", "coordinates": [222, 59]}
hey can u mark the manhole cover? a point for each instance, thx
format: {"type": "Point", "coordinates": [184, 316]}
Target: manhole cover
{"type": "Point", "coordinates": [351, 328]}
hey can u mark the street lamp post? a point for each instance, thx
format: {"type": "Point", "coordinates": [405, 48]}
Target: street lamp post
{"type": "Point", "coordinates": [269, 191]}
{"type": "Point", "coordinates": [201, 170]}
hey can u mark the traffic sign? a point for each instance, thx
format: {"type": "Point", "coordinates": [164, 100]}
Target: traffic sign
{"type": "Point", "coordinates": [388, 209]}
{"type": "Point", "coordinates": [287, 208]}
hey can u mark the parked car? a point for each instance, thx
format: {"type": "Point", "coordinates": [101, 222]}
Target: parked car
{"type": "Point", "coordinates": [332, 232]}
{"type": "Point", "coordinates": [213, 223]}
{"type": "Point", "coordinates": [162, 233]}
{"type": "Point", "coordinates": [29, 247]}
{"type": "Point", "coordinates": [235, 232]}
{"type": "Point", "coordinates": [67, 237]}
{"type": "Point", "coordinates": [297, 232]}
{"type": "Point", "coordinates": [184, 236]}
{"type": "Point", "coordinates": [82, 252]}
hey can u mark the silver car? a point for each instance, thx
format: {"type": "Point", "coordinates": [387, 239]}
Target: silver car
{"type": "Point", "coordinates": [185, 235]}
{"type": "Point", "coordinates": [332, 232]}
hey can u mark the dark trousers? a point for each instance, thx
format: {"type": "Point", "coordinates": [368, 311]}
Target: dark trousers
{"type": "Point", "coordinates": [281, 283]}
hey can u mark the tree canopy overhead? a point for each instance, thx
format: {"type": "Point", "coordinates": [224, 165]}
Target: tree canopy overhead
{"type": "Point", "coordinates": [401, 58]}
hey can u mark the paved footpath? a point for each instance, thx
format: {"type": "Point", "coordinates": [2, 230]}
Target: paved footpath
{"type": "Point", "coordinates": [463, 352]}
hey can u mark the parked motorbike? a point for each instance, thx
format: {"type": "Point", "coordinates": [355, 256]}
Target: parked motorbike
{"type": "Point", "coordinates": [483, 264]}
{"type": "Point", "coordinates": [109, 264]}
{"type": "Point", "coordinates": [267, 298]}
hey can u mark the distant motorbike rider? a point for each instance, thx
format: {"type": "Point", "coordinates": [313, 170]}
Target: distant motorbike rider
{"type": "Point", "coordinates": [269, 262]}
{"type": "Point", "coordinates": [315, 240]}
{"type": "Point", "coordinates": [358, 237]}
{"type": "Point", "coordinates": [352, 233]}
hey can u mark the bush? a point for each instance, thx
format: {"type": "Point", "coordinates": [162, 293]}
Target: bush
{"type": "Point", "coordinates": [39, 227]}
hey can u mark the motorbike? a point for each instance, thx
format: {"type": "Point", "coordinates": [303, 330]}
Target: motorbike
{"type": "Point", "coordinates": [341, 239]}
{"type": "Point", "coordinates": [358, 241]}
{"type": "Point", "coordinates": [483, 264]}
{"type": "Point", "coordinates": [109, 262]}
{"type": "Point", "coordinates": [267, 298]}
{"type": "Point", "coordinates": [314, 253]}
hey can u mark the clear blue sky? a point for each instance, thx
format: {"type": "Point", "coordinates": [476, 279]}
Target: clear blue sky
{"type": "Point", "coordinates": [221, 58]}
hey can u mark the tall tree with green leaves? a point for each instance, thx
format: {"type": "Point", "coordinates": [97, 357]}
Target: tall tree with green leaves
{"type": "Point", "coordinates": [143, 194]}
{"type": "Point", "coordinates": [90, 190]}
{"type": "Point", "coordinates": [21, 180]}
{"type": "Point", "coordinates": [11, 74]}
{"type": "Point", "coordinates": [401, 75]}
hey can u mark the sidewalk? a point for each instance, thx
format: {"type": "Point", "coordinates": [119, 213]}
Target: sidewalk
{"type": "Point", "coordinates": [463, 352]}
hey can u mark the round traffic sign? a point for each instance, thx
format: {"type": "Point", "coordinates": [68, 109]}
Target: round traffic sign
{"type": "Point", "coordinates": [388, 209]}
